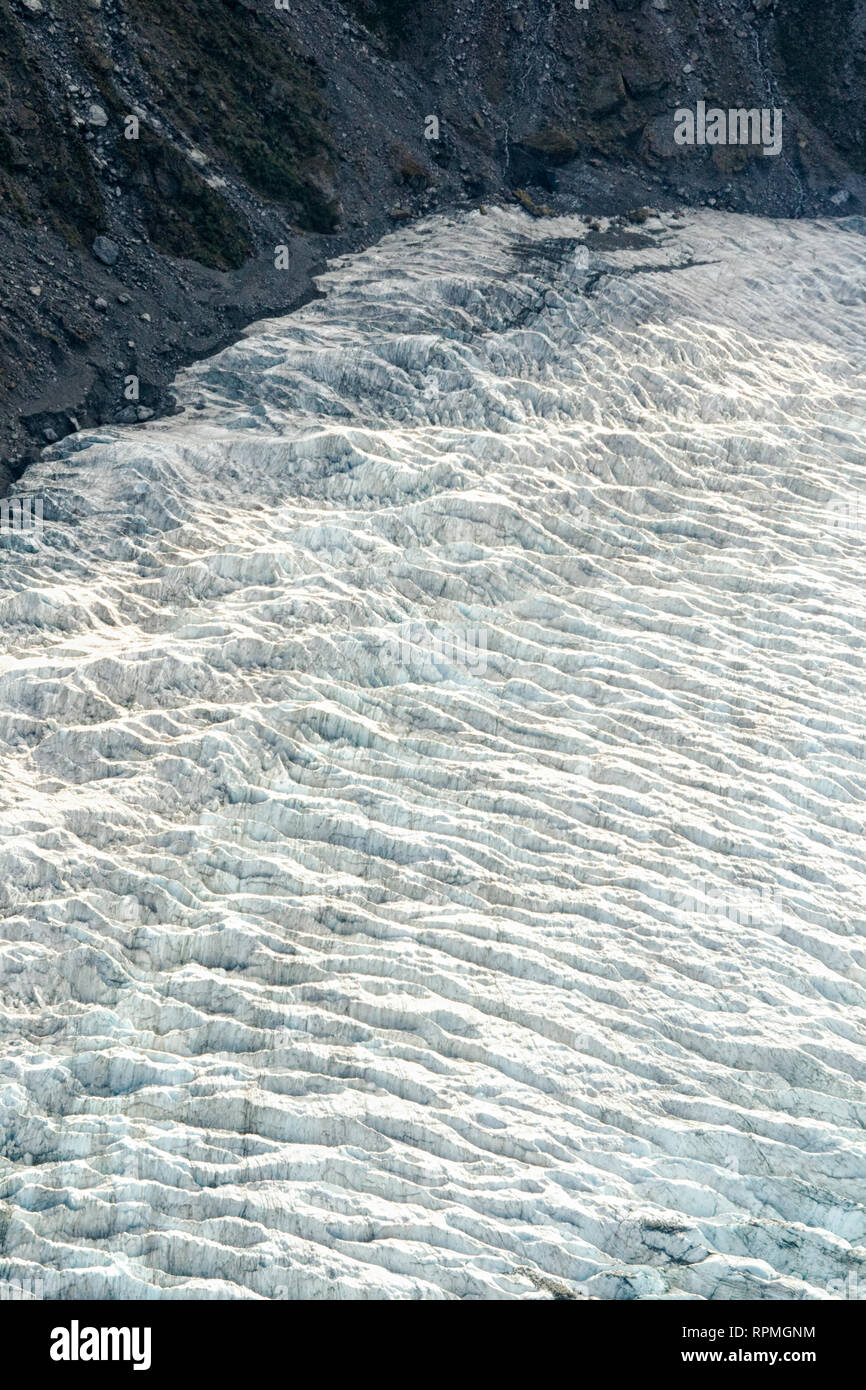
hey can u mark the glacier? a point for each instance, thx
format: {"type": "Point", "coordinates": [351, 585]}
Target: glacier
{"type": "Point", "coordinates": [434, 766]}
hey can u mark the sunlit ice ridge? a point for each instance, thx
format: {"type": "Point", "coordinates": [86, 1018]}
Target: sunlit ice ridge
{"type": "Point", "coordinates": [432, 814]}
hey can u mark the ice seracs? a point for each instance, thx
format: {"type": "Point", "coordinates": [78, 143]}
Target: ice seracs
{"type": "Point", "coordinates": [431, 830]}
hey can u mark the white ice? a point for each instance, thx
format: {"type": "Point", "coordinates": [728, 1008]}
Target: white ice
{"type": "Point", "coordinates": [432, 852]}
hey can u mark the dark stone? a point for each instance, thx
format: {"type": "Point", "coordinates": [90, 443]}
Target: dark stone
{"type": "Point", "coordinates": [106, 250]}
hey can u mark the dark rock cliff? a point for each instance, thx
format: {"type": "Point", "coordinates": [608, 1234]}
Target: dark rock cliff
{"type": "Point", "coordinates": [155, 153]}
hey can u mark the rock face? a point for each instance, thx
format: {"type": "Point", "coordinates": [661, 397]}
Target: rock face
{"type": "Point", "coordinates": [138, 122]}
{"type": "Point", "coordinates": [434, 863]}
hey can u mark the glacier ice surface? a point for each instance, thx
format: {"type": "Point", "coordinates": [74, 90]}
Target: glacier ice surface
{"type": "Point", "coordinates": [431, 824]}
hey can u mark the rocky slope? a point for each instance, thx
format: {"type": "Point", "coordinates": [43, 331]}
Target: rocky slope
{"type": "Point", "coordinates": [154, 154]}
